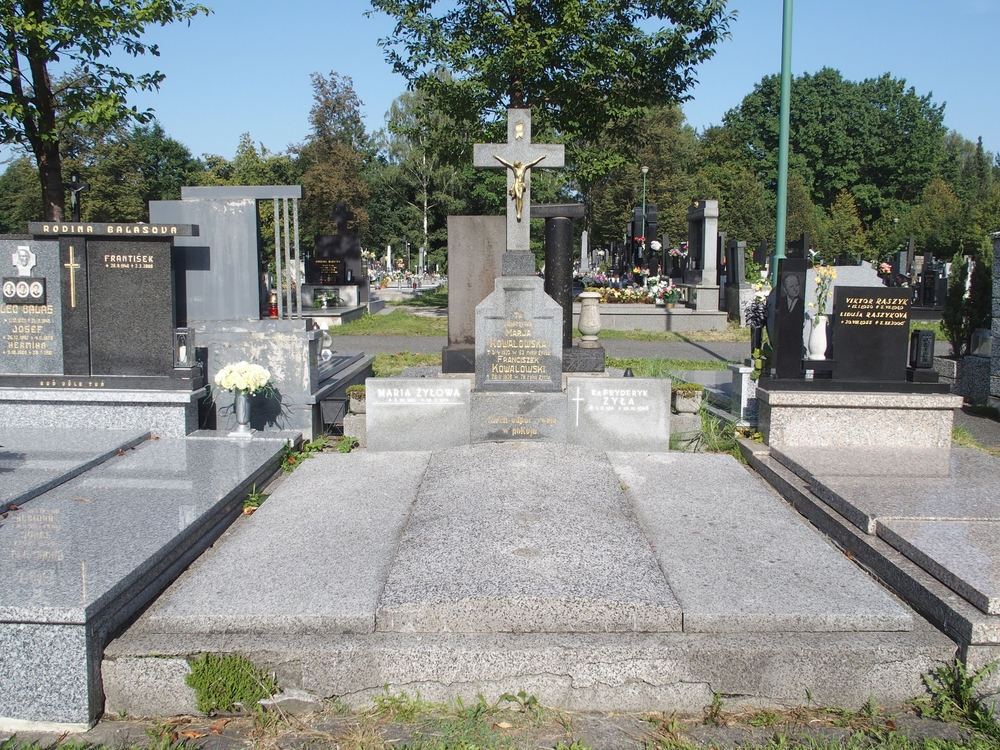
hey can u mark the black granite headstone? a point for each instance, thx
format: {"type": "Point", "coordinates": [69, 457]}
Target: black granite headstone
{"type": "Point", "coordinates": [735, 263]}
{"type": "Point", "coordinates": [789, 318]}
{"type": "Point", "coordinates": [760, 254]}
{"type": "Point", "coordinates": [336, 258]}
{"type": "Point", "coordinates": [799, 248]}
{"type": "Point", "coordinates": [109, 317]}
{"type": "Point", "coordinates": [131, 307]}
{"type": "Point", "coordinates": [871, 333]}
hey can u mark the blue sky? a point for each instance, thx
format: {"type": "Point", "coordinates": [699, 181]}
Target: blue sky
{"type": "Point", "coordinates": [246, 67]}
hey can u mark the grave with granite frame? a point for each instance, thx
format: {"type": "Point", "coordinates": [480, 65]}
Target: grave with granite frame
{"type": "Point", "coordinates": [518, 392]}
{"type": "Point", "coordinates": [862, 393]}
{"type": "Point", "coordinates": [228, 305]}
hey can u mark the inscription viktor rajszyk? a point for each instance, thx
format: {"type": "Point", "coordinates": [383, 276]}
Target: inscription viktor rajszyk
{"type": "Point", "coordinates": [517, 354]}
{"type": "Point", "coordinates": [874, 311]}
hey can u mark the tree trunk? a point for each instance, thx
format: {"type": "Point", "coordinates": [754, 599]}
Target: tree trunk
{"type": "Point", "coordinates": [50, 174]}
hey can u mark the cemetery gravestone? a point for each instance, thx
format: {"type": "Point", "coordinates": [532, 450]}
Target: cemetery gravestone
{"type": "Point", "coordinates": [109, 314]}
{"type": "Point", "coordinates": [702, 273]}
{"type": "Point", "coordinates": [789, 317]}
{"type": "Point", "coordinates": [336, 262]}
{"type": "Point", "coordinates": [871, 333]}
{"type": "Point", "coordinates": [627, 414]}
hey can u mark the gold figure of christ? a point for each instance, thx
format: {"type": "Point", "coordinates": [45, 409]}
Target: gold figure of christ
{"type": "Point", "coordinates": [519, 170]}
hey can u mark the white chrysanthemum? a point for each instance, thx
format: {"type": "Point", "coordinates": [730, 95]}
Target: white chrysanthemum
{"type": "Point", "coordinates": [244, 377]}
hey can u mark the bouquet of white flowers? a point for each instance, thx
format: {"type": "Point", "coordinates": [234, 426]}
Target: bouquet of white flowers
{"type": "Point", "coordinates": [243, 377]}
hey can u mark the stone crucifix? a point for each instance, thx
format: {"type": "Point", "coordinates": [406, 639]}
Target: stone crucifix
{"type": "Point", "coordinates": [518, 155]}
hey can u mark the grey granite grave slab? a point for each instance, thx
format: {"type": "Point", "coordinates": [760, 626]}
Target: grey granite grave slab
{"type": "Point", "coordinates": [536, 417]}
{"type": "Point", "coordinates": [347, 534]}
{"type": "Point", "coordinates": [963, 555]}
{"type": "Point", "coordinates": [519, 337]}
{"type": "Point", "coordinates": [621, 414]}
{"type": "Point", "coordinates": [967, 493]}
{"type": "Point", "coordinates": [810, 463]}
{"type": "Point", "coordinates": [498, 542]}
{"type": "Point", "coordinates": [33, 460]}
{"type": "Point", "coordinates": [83, 557]}
{"type": "Point", "coordinates": [407, 414]}
{"type": "Point", "coordinates": [738, 559]}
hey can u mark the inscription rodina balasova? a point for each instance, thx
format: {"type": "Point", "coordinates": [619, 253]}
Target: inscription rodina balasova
{"type": "Point", "coordinates": [95, 229]}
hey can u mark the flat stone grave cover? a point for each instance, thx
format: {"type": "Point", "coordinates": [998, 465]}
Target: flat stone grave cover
{"type": "Point", "coordinates": [31, 332]}
{"type": "Point", "coordinates": [871, 333]}
{"type": "Point", "coordinates": [519, 337]}
{"type": "Point", "coordinates": [532, 417]}
{"type": "Point", "coordinates": [412, 414]}
{"type": "Point", "coordinates": [79, 559]}
{"type": "Point", "coordinates": [619, 414]}
{"type": "Point", "coordinates": [499, 543]}
{"type": "Point", "coordinates": [36, 459]}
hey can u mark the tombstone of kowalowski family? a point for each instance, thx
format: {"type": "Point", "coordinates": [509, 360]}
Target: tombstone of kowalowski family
{"type": "Point", "coordinates": [871, 333]}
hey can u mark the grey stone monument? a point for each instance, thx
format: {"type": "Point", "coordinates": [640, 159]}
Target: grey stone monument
{"type": "Point", "coordinates": [518, 327]}
{"type": "Point", "coordinates": [702, 274]}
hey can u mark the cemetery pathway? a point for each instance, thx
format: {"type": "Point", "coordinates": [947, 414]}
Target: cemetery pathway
{"type": "Point", "coordinates": [625, 348]}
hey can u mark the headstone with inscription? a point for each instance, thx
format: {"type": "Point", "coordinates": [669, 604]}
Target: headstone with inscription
{"type": "Point", "coordinates": [405, 414]}
{"type": "Point", "coordinates": [336, 258]}
{"type": "Point", "coordinates": [871, 333]}
{"type": "Point", "coordinates": [620, 414]}
{"type": "Point", "coordinates": [519, 328]}
{"type": "Point", "coordinates": [105, 315]}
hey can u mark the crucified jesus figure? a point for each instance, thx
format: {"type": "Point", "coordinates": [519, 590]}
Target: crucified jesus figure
{"type": "Point", "coordinates": [519, 170]}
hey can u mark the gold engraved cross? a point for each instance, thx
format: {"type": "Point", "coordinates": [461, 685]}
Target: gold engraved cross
{"type": "Point", "coordinates": [73, 267]}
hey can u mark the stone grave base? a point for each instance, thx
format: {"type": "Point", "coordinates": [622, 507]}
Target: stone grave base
{"type": "Point", "coordinates": [163, 413]}
{"type": "Point", "coordinates": [855, 419]}
{"type": "Point", "coordinates": [105, 521]}
{"type": "Point", "coordinates": [406, 414]}
{"type": "Point", "coordinates": [593, 580]}
{"type": "Point", "coordinates": [923, 521]}
{"type": "Point", "coordinates": [615, 317]}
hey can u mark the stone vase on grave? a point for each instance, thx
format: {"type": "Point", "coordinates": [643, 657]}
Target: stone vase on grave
{"type": "Point", "coordinates": [817, 338]}
{"type": "Point", "coordinates": [241, 407]}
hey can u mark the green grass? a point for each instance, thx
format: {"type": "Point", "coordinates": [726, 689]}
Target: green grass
{"type": "Point", "coordinates": [929, 325]}
{"type": "Point", "coordinates": [658, 368]}
{"type": "Point", "coordinates": [397, 323]}
{"type": "Point", "coordinates": [386, 365]}
{"type": "Point", "coordinates": [962, 437]}
{"type": "Point", "coordinates": [731, 334]}
{"type": "Point", "coordinates": [435, 298]}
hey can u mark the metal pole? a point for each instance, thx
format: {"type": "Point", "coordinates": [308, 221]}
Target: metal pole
{"type": "Point", "coordinates": [298, 257]}
{"type": "Point", "coordinates": [786, 95]}
{"type": "Point", "coordinates": [277, 259]}
{"type": "Point", "coordinates": [288, 259]}
{"type": "Point", "coordinates": [644, 169]}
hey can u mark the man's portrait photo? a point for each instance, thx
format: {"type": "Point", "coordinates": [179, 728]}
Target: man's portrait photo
{"type": "Point", "coordinates": [24, 260]}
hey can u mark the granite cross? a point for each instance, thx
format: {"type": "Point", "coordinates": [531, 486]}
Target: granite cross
{"type": "Point", "coordinates": [518, 156]}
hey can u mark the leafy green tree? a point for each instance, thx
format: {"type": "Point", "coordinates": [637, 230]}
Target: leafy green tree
{"type": "Point", "coordinates": [878, 139]}
{"type": "Point", "coordinates": [334, 157]}
{"type": "Point", "coordinates": [587, 68]}
{"type": "Point", "coordinates": [39, 33]}
{"type": "Point", "coordinates": [841, 233]}
{"type": "Point", "coordinates": [965, 312]}
{"type": "Point", "coordinates": [20, 201]}
{"type": "Point", "coordinates": [129, 167]}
